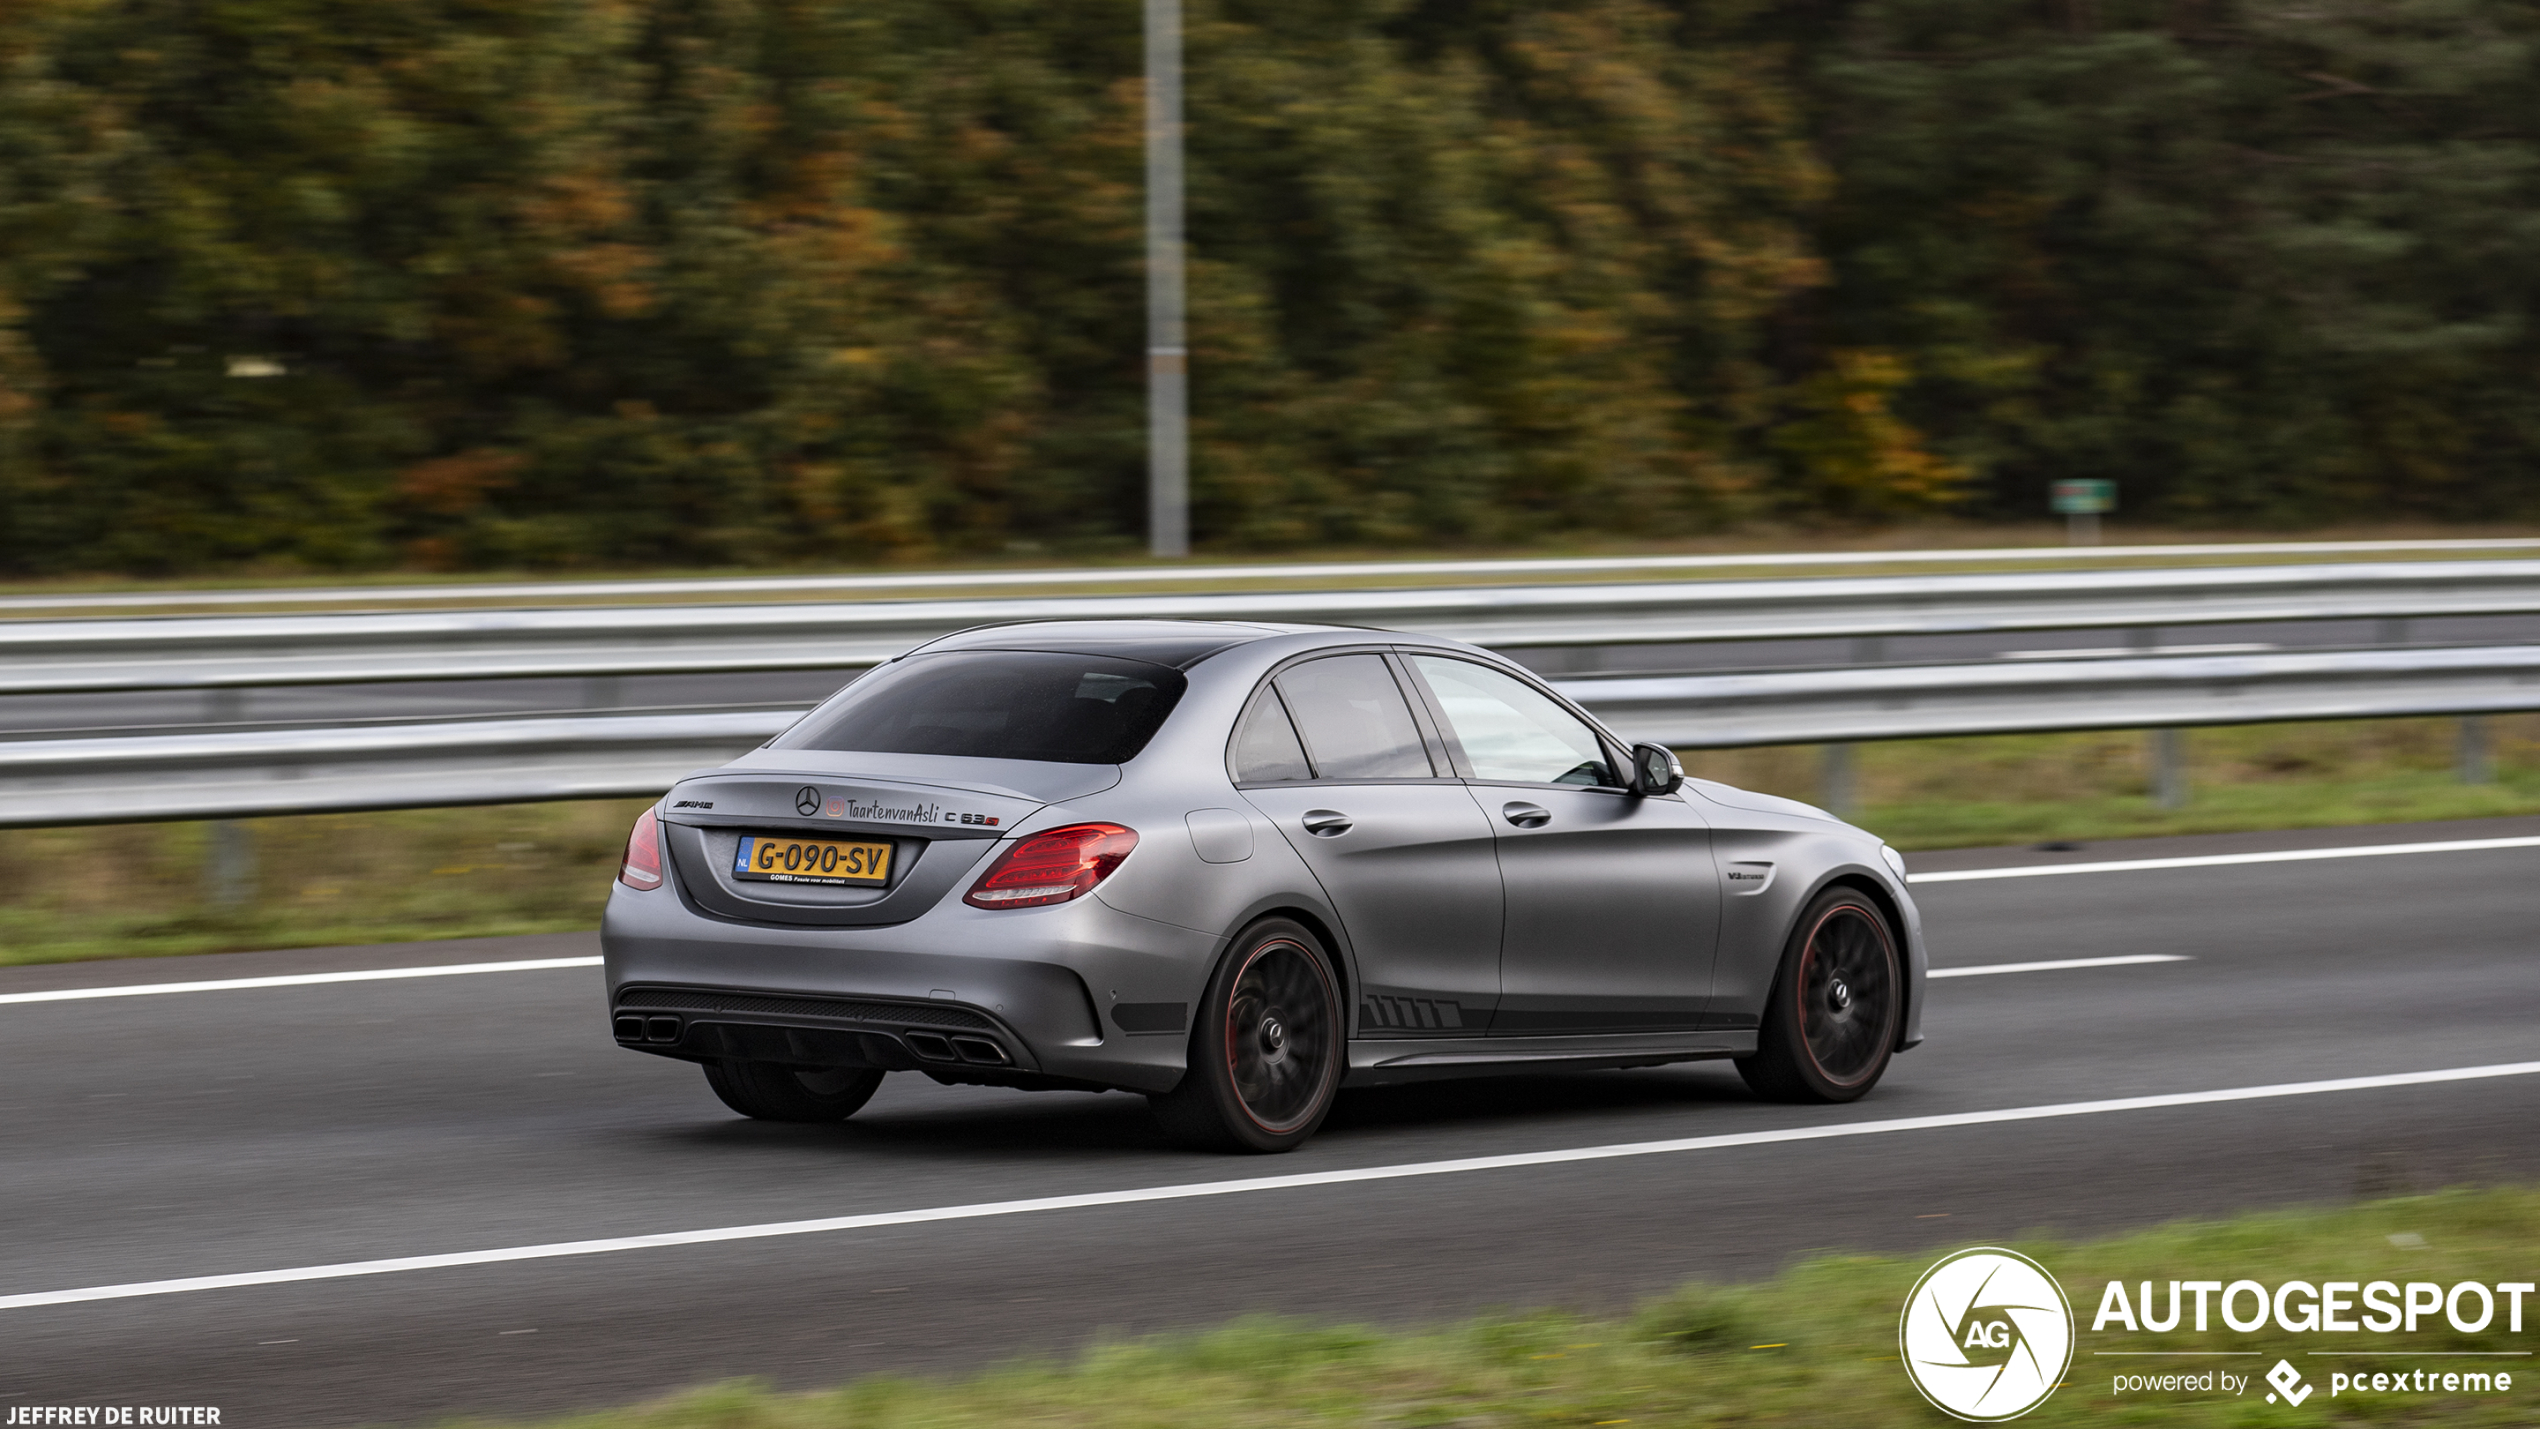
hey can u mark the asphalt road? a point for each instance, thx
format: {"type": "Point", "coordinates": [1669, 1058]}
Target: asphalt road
{"type": "Point", "coordinates": [241, 1130]}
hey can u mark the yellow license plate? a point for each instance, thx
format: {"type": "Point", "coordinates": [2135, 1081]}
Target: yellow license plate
{"type": "Point", "coordinates": [780, 860]}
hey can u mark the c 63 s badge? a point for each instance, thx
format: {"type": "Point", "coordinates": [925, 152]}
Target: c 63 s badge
{"type": "Point", "coordinates": [1986, 1335]}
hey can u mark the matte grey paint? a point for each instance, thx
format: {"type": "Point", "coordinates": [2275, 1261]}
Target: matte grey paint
{"type": "Point", "coordinates": [1613, 913]}
{"type": "Point", "coordinates": [1219, 835]}
{"type": "Point", "coordinates": [1410, 872]}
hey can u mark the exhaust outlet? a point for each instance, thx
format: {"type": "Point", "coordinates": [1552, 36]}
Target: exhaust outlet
{"type": "Point", "coordinates": [630, 1029]}
{"type": "Point", "coordinates": [979, 1049]}
{"type": "Point", "coordinates": [930, 1045]}
{"type": "Point", "coordinates": [661, 1029]}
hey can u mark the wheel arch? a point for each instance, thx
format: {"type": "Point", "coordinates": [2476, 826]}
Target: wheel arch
{"type": "Point", "coordinates": [1334, 950]}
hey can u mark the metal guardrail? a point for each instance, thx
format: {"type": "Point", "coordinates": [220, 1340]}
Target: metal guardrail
{"type": "Point", "coordinates": [131, 779]}
{"type": "Point", "coordinates": [232, 652]}
{"type": "Point", "coordinates": [2029, 697]}
{"type": "Point", "coordinates": [231, 775]}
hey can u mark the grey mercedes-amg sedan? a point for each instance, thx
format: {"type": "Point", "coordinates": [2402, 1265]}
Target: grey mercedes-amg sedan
{"type": "Point", "coordinates": [1237, 868]}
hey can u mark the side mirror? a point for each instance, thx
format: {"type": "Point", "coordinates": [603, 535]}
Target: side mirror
{"type": "Point", "coordinates": [1655, 770]}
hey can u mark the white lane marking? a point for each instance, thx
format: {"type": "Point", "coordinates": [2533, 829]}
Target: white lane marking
{"type": "Point", "coordinates": [1195, 1190]}
{"type": "Point", "coordinates": [153, 989]}
{"type": "Point", "coordinates": [2042, 870]}
{"type": "Point", "coordinates": [1981, 969]}
{"type": "Point", "coordinates": [2221, 860]}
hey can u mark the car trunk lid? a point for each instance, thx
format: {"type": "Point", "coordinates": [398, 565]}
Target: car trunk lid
{"type": "Point", "coordinates": [938, 823]}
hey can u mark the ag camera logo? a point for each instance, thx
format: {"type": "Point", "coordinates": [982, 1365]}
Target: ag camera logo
{"type": "Point", "coordinates": [1986, 1335]}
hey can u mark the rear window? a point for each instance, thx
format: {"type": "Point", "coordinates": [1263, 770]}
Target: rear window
{"type": "Point", "coordinates": [997, 704]}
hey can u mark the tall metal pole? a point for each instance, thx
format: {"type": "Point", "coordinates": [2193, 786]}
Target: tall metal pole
{"type": "Point", "coordinates": [1168, 352]}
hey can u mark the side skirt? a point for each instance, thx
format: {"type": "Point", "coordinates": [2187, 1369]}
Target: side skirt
{"type": "Point", "coordinates": [1379, 1063]}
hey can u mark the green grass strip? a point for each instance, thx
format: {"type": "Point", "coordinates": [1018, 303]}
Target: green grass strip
{"type": "Point", "coordinates": [1815, 1346]}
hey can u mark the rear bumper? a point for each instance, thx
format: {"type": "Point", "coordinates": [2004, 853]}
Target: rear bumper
{"type": "Point", "coordinates": [1025, 996]}
{"type": "Point", "coordinates": [725, 1024]}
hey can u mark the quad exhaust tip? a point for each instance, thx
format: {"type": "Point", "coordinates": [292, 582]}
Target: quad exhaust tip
{"type": "Point", "coordinates": [936, 1047]}
{"type": "Point", "coordinates": [647, 1029]}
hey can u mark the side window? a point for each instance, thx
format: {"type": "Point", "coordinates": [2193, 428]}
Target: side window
{"type": "Point", "coordinates": [1354, 720]}
{"type": "Point", "coordinates": [1511, 731]}
{"type": "Point", "coordinates": [1266, 747]}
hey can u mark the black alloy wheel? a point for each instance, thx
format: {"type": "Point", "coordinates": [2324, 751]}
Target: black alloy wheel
{"type": "Point", "coordinates": [1836, 1005]}
{"type": "Point", "coordinates": [1265, 1057]}
{"type": "Point", "coordinates": [1847, 994]}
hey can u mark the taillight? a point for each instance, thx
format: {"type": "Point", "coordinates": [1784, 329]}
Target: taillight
{"type": "Point", "coordinates": [1052, 867]}
{"type": "Point", "coordinates": [642, 868]}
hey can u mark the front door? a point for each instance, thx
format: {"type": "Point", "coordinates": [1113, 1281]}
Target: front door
{"type": "Point", "coordinates": [1613, 900]}
{"type": "Point", "coordinates": [1329, 752]}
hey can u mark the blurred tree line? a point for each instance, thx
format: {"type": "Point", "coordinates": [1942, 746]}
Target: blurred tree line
{"type": "Point", "coordinates": [344, 283]}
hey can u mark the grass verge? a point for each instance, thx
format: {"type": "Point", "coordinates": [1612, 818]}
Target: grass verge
{"type": "Point", "coordinates": [1815, 1346]}
{"type": "Point", "coordinates": [142, 889]}
{"type": "Point", "coordinates": [2011, 789]}
{"type": "Point", "coordinates": [124, 890]}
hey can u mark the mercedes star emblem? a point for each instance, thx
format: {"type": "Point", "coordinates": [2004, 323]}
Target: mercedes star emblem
{"type": "Point", "coordinates": [806, 801]}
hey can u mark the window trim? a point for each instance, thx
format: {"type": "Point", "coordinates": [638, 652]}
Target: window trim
{"type": "Point", "coordinates": [1234, 737]}
{"type": "Point", "coordinates": [1605, 741]}
{"type": "Point", "coordinates": [1414, 697]}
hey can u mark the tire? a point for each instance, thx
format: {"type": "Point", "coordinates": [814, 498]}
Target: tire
{"type": "Point", "coordinates": [1266, 1049]}
{"type": "Point", "coordinates": [1836, 1004]}
{"type": "Point", "coordinates": [770, 1092]}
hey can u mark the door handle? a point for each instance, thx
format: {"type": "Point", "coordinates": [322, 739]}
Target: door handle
{"type": "Point", "coordinates": [1526, 816]}
{"type": "Point", "coordinates": [1326, 823]}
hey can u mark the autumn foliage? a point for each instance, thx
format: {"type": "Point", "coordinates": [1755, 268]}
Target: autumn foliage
{"type": "Point", "coordinates": [352, 283]}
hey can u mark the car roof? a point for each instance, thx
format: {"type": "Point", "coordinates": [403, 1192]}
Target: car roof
{"type": "Point", "coordinates": [1178, 643]}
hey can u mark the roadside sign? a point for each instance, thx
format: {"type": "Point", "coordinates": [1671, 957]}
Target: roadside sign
{"type": "Point", "coordinates": [2088, 497]}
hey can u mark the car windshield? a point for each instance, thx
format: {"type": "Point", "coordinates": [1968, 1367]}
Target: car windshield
{"type": "Point", "coordinates": [997, 704]}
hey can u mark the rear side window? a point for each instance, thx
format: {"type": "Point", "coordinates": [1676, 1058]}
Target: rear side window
{"type": "Point", "coordinates": [998, 704]}
{"type": "Point", "coordinates": [1266, 746]}
{"type": "Point", "coordinates": [1354, 720]}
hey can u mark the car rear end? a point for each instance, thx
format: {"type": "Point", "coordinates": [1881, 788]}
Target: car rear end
{"type": "Point", "coordinates": [918, 906]}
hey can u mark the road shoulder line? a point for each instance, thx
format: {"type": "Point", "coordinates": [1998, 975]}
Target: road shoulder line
{"type": "Point", "coordinates": [154, 989]}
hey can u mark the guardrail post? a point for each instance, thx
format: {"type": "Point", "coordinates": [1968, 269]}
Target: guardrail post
{"type": "Point", "coordinates": [229, 870]}
{"type": "Point", "coordinates": [1836, 785]}
{"type": "Point", "coordinates": [2477, 767]}
{"type": "Point", "coordinates": [2169, 768]}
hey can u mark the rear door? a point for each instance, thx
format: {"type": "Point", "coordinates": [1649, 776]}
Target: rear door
{"type": "Point", "coordinates": [1612, 900]}
{"type": "Point", "coordinates": [1331, 752]}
